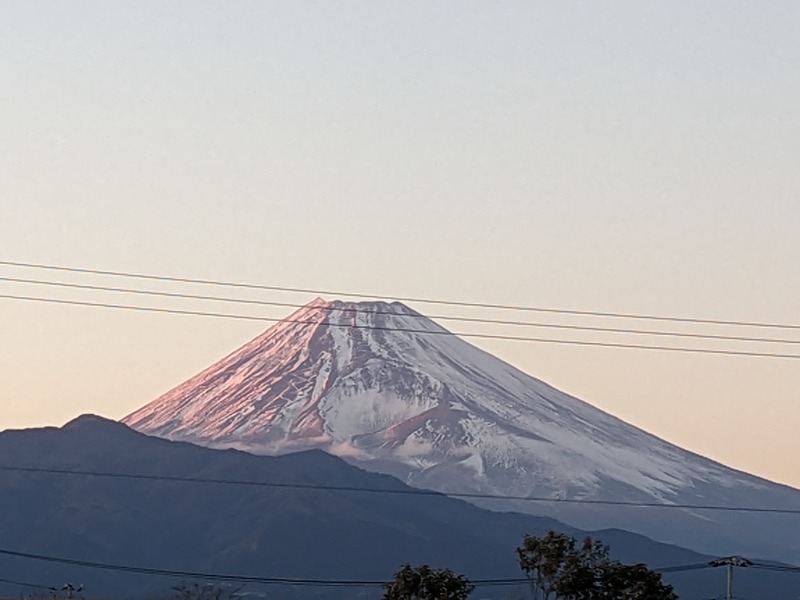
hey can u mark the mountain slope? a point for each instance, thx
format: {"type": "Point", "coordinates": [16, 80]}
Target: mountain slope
{"type": "Point", "coordinates": [392, 391]}
{"type": "Point", "coordinates": [262, 531]}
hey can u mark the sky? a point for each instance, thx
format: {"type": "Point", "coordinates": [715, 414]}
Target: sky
{"type": "Point", "coordinates": [636, 157]}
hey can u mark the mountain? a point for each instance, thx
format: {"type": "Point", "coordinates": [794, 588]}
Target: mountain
{"type": "Point", "coordinates": [393, 392]}
{"type": "Point", "coordinates": [299, 528]}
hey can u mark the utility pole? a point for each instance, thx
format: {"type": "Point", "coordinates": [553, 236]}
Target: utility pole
{"type": "Point", "coordinates": [71, 590]}
{"type": "Point", "coordinates": [729, 562]}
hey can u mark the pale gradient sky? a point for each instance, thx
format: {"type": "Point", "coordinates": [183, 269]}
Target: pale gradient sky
{"type": "Point", "coordinates": [621, 156]}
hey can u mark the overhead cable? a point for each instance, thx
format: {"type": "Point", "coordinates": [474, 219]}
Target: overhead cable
{"type": "Point", "coordinates": [286, 581]}
{"type": "Point", "coordinates": [433, 301]}
{"type": "Point", "coordinates": [488, 336]}
{"type": "Point", "coordinates": [352, 310]}
{"type": "Point", "coordinates": [26, 584]}
{"type": "Point", "coordinates": [406, 491]}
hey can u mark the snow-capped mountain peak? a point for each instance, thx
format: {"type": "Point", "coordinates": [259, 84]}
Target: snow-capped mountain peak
{"type": "Point", "coordinates": [386, 388]}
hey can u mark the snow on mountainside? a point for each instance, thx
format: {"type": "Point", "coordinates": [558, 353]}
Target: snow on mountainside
{"type": "Point", "coordinates": [392, 391]}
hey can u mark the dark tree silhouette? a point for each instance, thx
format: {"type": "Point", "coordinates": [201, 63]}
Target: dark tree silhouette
{"type": "Point", "coordinates": [425, 583]}
{"type": "Point", "coordinates": [558, 568]}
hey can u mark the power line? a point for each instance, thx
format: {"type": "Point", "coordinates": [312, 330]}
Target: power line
{"type": "Point", "coordinates": [26, 584]}
{"type": "Point", "coordinates": [401, 491]}
{"type": "Point", "coordinates": [287, 581]}
{"type": "Point", "coordinates": [775, 567]}
{"type": "Point", "coordinates": [225, 577]}
{"type": "Point", "coordinates": [683, 568]}
{"type": "Point", "coordinates": [434, 301]}
{"type": "Point", "coordinates": [226, 299]}
{"type": "Point", "coordinates": [187, 574]}
{"type": "Point", "coordinates": [443, 331]}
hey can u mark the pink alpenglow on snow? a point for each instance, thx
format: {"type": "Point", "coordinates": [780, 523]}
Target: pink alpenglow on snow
{"type": "Point", "coordinates": [390, 390]}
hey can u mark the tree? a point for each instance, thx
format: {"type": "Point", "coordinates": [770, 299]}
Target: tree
{"type": "Point", "coordinates": [425, 583]}
{"type": "Point", "coordinates": [633, 582]}
{"type": "Point", "coordinates": [559, 569]}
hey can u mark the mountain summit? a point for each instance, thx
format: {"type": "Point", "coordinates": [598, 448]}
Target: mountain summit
{"type": "Point", "coordinates": [390, 390]}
